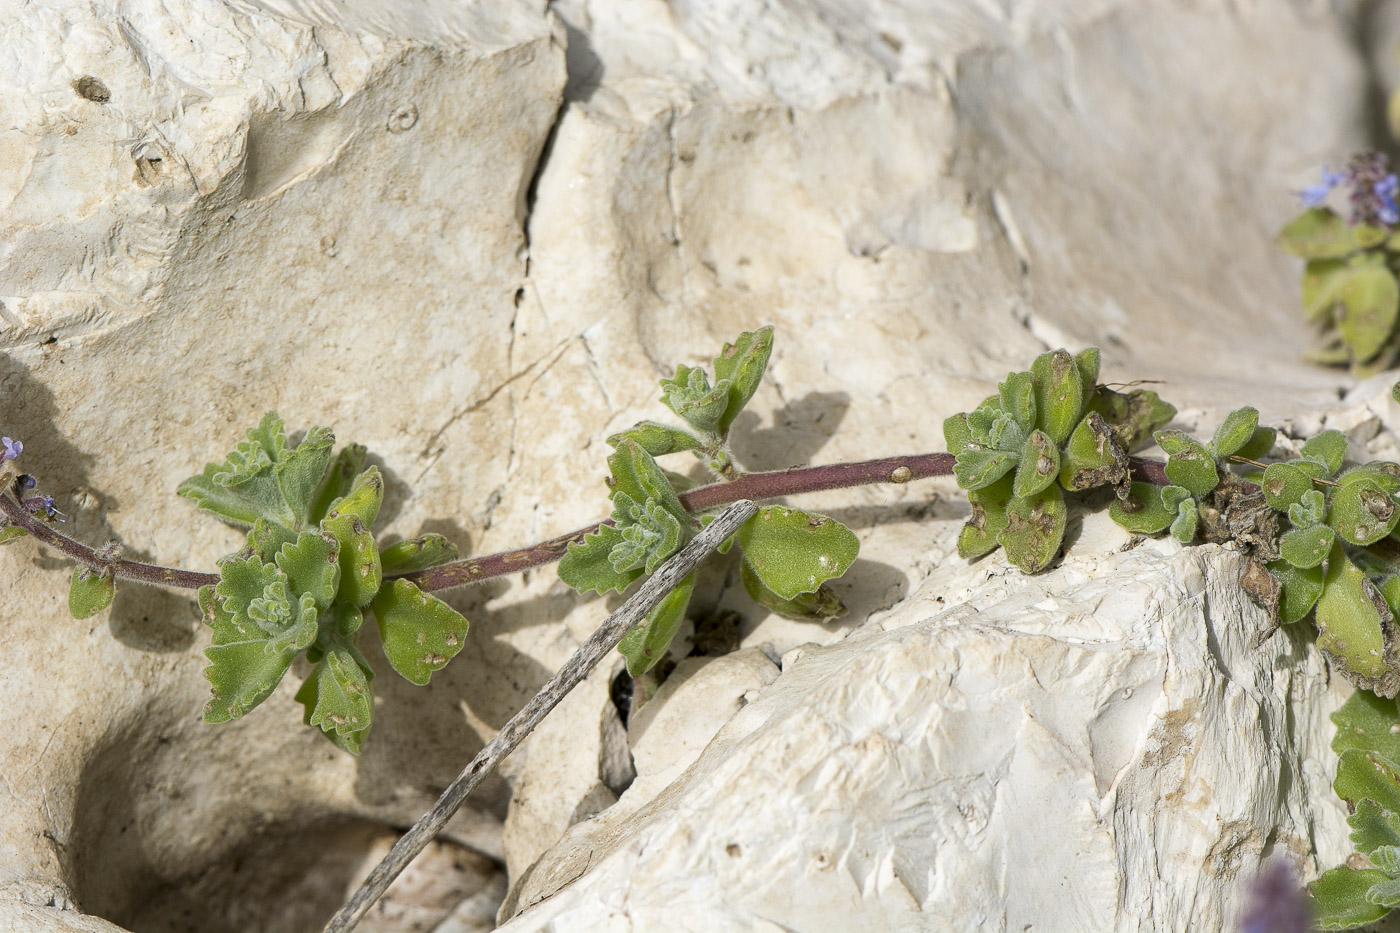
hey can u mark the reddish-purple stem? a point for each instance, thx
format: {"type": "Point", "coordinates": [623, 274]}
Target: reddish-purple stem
{"type": "Point", "coordinates": [475, 569]}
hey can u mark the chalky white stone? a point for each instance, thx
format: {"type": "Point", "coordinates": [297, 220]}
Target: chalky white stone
{"type": "Point", "coordinates": [347, 210]}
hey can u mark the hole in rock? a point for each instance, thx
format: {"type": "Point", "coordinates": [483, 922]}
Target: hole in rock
{"type": "Point", "coordinates": [151, 851]}
{"type": "Point", "coordinates": [90, 88]}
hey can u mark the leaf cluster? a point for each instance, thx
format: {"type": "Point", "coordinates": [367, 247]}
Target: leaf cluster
{"type": "Point", "coordinates": [1368, 778]}
{"type": "Point", "coordinates": [788, 555]}
{"type": "Point", "coordinates": [1047, 431]}
{"type": "Point", "coordinates": [300, 586]}
{"type": "Point", "coordinates": [1349, 287]}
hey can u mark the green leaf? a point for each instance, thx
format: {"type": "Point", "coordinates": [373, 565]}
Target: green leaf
{"type": "Point", "coordinates": [586, 567]}
{"type": "Point", "coordinates": [1363, 512]}
{"type": "Point", "coordinates": [1259, 445]}
{"type": "Point", "coordinates": [312, 567]}
{"type": "Point", "coordinates": [1373, 826]}
{"type": "Point", "coordinates": [421, 633]}
{"type": "Point", "coordinates": [1318, 233]}
{"type": "Point", "coordinates": [957, 436]}
{"type": "Point", "coordinates": [636, 473]}
{"type": "Point", "coordinates": [1035, 528]}
{"type": "Point", "coordinates": [988, 520]}
{"type": "Point", "coordinates": [249, 471]}
{"type": "Point", "coordinates": [414, 554]}
{"type": "Point", "coordinates": [794, 552]}
{"type": "Point", "coordinates": [820, 605]}
{"type": "Point", "coordinates": [1039, 465]}
{"type": "Point", "coordinates": [339, 479]}
{"type": "Point", "coordinates": [89, 592]}
{"type": "Point", "coordinates": [1151, 516]}
{"type": "Point", "coordinates": [300, 472]}
{"type": "Point", "coordinates": [1339, 898]}
{"type": "Point", "coordinates": [349, 521]}
{"type": "Point", "coordinates": [1088, 361]}
{"type": "Point", "coordinates": [218, 499]}
{"type": "Point", "coordinates": [976, 468]}
{"type": "Point", "coordinates": [1134, 417]}
{"type": "Point", "coordinates": [1285, 484]}
{"type": "Point", "coordinates": [9, 533]}
{"type": "Point", "coordinates": [1189, 464]}
{"type": "Point", "coordinates": [650, 534]}
{"type": "Point", "coordinates": [1354, 626]}
{"type": "Point", "coordinates": [256, 634]}
{"type": "Point", "coordinates": [690, 395]}
{"type": "Point", "coordinates": [1017, 395]}
{"type": "Point", "coordinates": [1310, 510]}
{"type": "Point", "coordinates": [1300, 589]}
{"type": "Point", "coordinates": [742, 363]}
{"type": "Point", "coordinates": [338, 698]}
{"type": "Point", "coordinates": [1184, 525]}
{"type": "Point", "coordinates": [1328, 448]}
{"type": "Point", "coordinates": [1306, 547]}
{"type": "Point", "coordinates": [266, 539]}
{"type": "Point", "coordinates": [647, 643]}
{"type": "Point", "coordinates": [1367, 722]}
{"type": "Point", "coordinates": [1368, 302]}
{"type": "Point", "coordinates": [1363, 774]}
{"type": "Point", "coordinates": [1059, 394]}
{"type": "Point", "coordinates": [657, 439]}
{"type": "Point", "coordinates": [1321, 279]}
{"type": "Point", "coordinates": [1234, 432]}
{"type": "Point", "coordinates": [1094, 456]}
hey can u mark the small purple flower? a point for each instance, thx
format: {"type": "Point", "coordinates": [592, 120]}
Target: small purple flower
{"type": "Point", "coordinates": [12, 449]}
{"type": "Point", "coordinates": [1314, 195]}
{"type": "Point", "coordinates": [1277, 903]}
{"type": "Point", "coordinates": [1386, 189]}
{"type": "Point", "coordinates": [37, 504]}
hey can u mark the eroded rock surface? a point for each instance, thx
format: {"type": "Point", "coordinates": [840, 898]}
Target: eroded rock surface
{"type": "Point", "coordinates": [471, 237]}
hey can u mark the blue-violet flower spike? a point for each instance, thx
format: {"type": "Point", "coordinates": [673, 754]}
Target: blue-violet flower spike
{"type": "Point", "coordinates": [12, 449]}
{"type": "Point", "coordinates": [1314, 195]}
{"type": "Point", "coordinates": [37, 504]}
{"type": "Point", "coordinates": [1386, 189]}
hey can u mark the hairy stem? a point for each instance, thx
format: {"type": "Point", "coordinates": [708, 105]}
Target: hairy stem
{"type": "Point", "coordinates": [16, 514]}
{"type": "Point", "coordinates": [743, 486]}
{"type": "Point", "coordinates": [896, 470]}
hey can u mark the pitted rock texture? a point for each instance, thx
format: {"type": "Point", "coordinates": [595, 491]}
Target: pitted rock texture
{"type": "Point", "coordinates": [472, 237]}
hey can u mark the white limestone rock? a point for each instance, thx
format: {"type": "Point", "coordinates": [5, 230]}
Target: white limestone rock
{"type": "Point", "coordinates": [1099, 748]}
{"type": "Point", "coordinates": [212, 209]}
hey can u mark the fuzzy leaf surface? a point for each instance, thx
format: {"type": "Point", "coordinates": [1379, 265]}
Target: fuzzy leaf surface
{"type": "Point", "coordinates": [1351, 621]}
{"type": "Point", "coordinates": [421, 633]}
{"type": "Point", "coordinates": [1059, 394]}
{"type": "Point", "coordinates": [1307, 547]}
{"type": "Point", "coordinates": [339, 479]}
{"type": "Point", "coordinates": [977, 468]}
{"type": "Point", "coordinates": [793, 552]}
{"type": "Point", "coordinates": [414, 554]}
{"type": "Point", "coordinates": [1093, 457]}
{"type": "Point", "coordinates": [337, 695]}
{"type": "Point", "coordinates": [89, 592]}
{"type": "Point", "coordinates": [690, 395]}
{"type": "Point", "coordinates": [647, 643]}
{"type": "Point", "coordinates": [988, 520]}
{"type": "Point", "coordinates": [742, 364]}
{"type": "Point", "coordinates": [1285, 484]}
{"type": "Point", "coordinates": [1035, 528]}
{"type": "Point", "coordinates": [1339, 898]}
{"type": "Point", "coordinates": [586, 566]}
{"type": "Point", "coordinates": [1154, 515]}
{"type": "Point", "coordinates": [1189, 464]}
{"type": "Point", "coordinates": [820, 605]}
{"type": "Point", "coordinates": [1234, 432]}
{"type": "Point", "coordinates": [1300, 589]}
{"type": "Point", "coordinates": [1363, 512]}
{"type": "Point", "coordinates": [1328, 448]}
{"type": "Point", "coordinates": [657, 439]}
{"type": "Point", "coordinates": [349, 521]}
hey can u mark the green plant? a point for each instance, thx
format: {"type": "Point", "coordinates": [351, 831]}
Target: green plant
{"type": "Point", "coordinates": [1349, 286]}
{"type": "Point", "coordinates": [1322, 538]}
